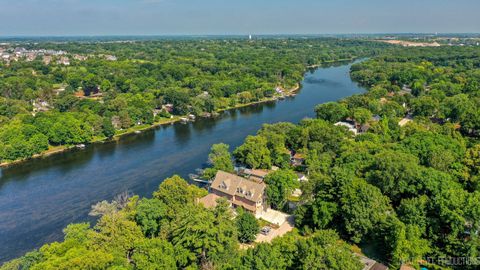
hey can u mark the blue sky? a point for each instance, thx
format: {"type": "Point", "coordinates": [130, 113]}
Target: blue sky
{"type": "Point", "coordinates": [175, 17]}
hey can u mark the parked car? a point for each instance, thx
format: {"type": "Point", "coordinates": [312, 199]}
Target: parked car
{"type": "Point", "coordinates": [265, 230]}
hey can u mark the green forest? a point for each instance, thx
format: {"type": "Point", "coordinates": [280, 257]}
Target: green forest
{"type": "Point", "coordinates": [405, 188]}
{"type": "Point", "coordinates": [50, 105]}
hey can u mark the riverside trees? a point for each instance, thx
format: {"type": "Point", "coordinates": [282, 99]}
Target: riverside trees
{"type": "Point", "coordinates": [193, 76]}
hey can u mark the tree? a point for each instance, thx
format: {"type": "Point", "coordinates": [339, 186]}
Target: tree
{"type": "Point", "coordinates": [472, 161]}
{"type": "Point", "coordinates": [323, 213]}
{"type": "Point", "coordinates": [280, 185]}
{"type": "Point", "coordinates": [424, 106]}
{"type": "Point", "coordinates": [90, 84]}
{"type": "Point", "coordinates": [276, 141]}
{"type": "Point", "coordinates": [108, 128]}
{"type": "Point", "coordinates": [414, 211]}
{"type": "Point", "coordinates": [149, 215]}
{"type": "Point", "coordinates": [325, 251]}
{"type": "Point", "coordinates": [362, 115]}
{"type": "Point", "coordinates": [404, 242]}
{"type": "Point", "coordinates": [176, 193]}
{"type": "Point", "coordinates": [264, 256]}
{"type": "Point", "coordinates": [395, 173]}
{"type": "Point", "coordinates": [152, 254]}
{"type": "Point", "coordinates": [254, 153]}
{"type": "Point", "coordinates": [203, 236]}
{"type": "Point", "coordinates": [74, 252]}
{"type": "Point", "coordinates": [435, 149]}
{"type": "Point", "coordinates": [247, 227]}
{"type": "Point", "coordinates": [363, 207]}
{"type": "Point", "coordinates": [220, 158]}
{"type": "Point", "coordinates": [117, 235]}
{"type": "Point", "coordinates": [331, 111]}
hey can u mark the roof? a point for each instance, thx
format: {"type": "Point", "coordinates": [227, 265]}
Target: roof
{"type": "Point", "coordinates": [406, 267]}
{"type": "Point", "coordinates": [298, 156]}
{"type": "Point", "coordinates": [235, 185]}
{"type": "Point", "coordinates": [209, 201]}
{"type": "Point", "coordinates": [351, 127]}
{"type": "Point", "coordinates": [379, 266]}
{"type": "Point", "coordinates": [257, 172]}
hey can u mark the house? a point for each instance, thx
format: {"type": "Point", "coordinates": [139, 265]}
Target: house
{"type": "Point", "coordinates": [47, 59]}
{"type": "Point", "coordinates": [408, 118]}
{"type": "Point", "coordinates": [30, 56]}
{"type": "Point", "coordinates": [406, 89]}
{"type": "Point", "coordinates": [40, 105]}
{"type": "Point", "coordinates": [168, 107]}
{"type": "Point", "coordinates": [80, 57]}
{"type": "Point", "coordinates": [111, 57]}
{"type": "Point", "coordinates": [64, 61]}
{"type": "Point", "coordinates": [240, 192]}
{"type": "Point", "coordinates": [297, 160]}
{"type": "Point", "coordinates": [370, 264]}
{"type": "Point", "coordinates": [349, 125]}
{"type": "Point", "coordinates": [302, 177]}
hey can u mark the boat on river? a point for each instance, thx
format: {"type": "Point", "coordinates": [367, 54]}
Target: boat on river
{"type": "Point", "coordinates": [80, 146]}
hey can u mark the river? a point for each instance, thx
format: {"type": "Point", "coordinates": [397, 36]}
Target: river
{"type": "Point", "coordinates": [40, 197]}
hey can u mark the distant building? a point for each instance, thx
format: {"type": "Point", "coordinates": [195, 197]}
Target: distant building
{"type": "Point", "coordinates": [111, 57]}
{"type": "Point", "coordinates": [240, 192]}
{"type": "Point", "coordinates": [80, 57]}
{"type": "Point", "coordinates": [64, 61]}
{"type": "Point", "coordinates": [47, 59]}
{"type": "Point", "coordinates": [31, 56]}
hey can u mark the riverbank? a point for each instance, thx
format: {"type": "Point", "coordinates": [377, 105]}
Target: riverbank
{"type": "Point", "coordinates": [140, 128]}
{"type": "Point", "coordinates": [332, 61]}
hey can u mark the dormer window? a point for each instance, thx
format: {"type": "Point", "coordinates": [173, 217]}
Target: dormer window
{"type": "Point", "coordinates": [223, 185]}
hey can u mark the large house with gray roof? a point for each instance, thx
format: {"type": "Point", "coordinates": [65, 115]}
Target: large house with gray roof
{"type": "Point", "coordinates": [240, 192]}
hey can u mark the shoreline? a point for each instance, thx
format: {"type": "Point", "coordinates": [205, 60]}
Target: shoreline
{"type": "Point", "coordinates": [53, 150]}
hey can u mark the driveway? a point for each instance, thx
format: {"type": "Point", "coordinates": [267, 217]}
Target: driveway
{"type": "Point", "coordinates": [273, 216]}
{"type": "Point", "coordinates": [284, 228]}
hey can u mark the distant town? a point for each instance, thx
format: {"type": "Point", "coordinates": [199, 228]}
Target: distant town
{"type": "Point", "coordinates": [10, 54]}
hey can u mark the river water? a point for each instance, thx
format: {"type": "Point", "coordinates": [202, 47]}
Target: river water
{"type": "Point", "coordinates": [40, 197]}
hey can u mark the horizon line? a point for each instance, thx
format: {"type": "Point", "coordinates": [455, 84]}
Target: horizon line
{"type": "Point", "coordinates": [242, 34]}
